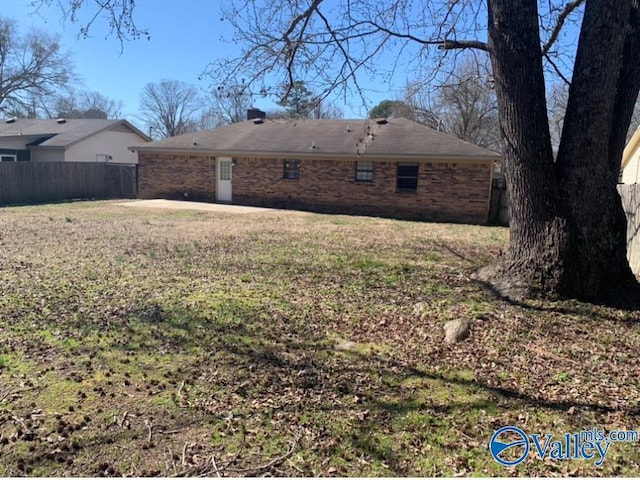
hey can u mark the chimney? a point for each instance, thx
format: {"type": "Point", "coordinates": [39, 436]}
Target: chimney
{"type": "Point", "coordinates": [255, 113]}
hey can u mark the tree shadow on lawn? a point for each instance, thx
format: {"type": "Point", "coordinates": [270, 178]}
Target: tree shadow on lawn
{"type": "Point", "coordinates": [359, 402]}
{"type": "Point", "coordinates": [397, 402]}
{"type": "Point", "coordinates": [300, 352]}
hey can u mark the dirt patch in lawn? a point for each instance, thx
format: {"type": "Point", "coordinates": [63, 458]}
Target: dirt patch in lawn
{"type": "Point", "coordinates": [182, 342]}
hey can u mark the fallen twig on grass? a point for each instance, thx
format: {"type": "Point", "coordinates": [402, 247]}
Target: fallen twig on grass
{"type": "Point", "coordinates": [272, 463]}
{"type": "Point", "coordinates": [210, 467]}
{"type": "Point", "coordinates": [215, 466]}
{"type": "Point", "coordinates": [11, 393]}
{"type": "Point", "coordinates": [149, 425]}
{"type": "Point", "coordinates": [180, 389]}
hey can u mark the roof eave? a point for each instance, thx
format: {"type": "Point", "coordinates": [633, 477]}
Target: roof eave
{"type": "Point", "coordinates": [314, 155]}
{"type": "Point", "coordinates": [631, 147]}
{"type": "Point", "coordinates": [126, 123]}
{"type": "Point", "coordinates": [48, 147]}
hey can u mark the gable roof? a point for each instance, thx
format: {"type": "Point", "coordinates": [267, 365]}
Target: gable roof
{"type": "Point", "coordinates": [397, 138]}
{"type": "Point", "coordinates": [58, 133]}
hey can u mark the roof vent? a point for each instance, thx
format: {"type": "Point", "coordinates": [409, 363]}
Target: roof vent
{"type": "Point", "coordinates": [348, 129]}
{"type": "Point", "coordinates": [61, 121]}
{"type": "Point", "coordinates": [11, 120]}
{"type": "Point", "coordinates": [381, 121]}
{"type": "Point", "coordinates": [195, 144]}
{"type": "Point", "coordinates": [313, 146]}
{"type": "Point", "coordinates": [258, 121]}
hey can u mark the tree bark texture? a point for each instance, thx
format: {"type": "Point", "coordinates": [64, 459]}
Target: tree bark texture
{"type": "Point", "coordinates": [568, 228]}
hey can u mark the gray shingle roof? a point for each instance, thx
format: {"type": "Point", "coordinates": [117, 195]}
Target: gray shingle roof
{"type": "Point", "coordinates": [62, 134]}
{"type": "Point", "coordinates": [345, 138]}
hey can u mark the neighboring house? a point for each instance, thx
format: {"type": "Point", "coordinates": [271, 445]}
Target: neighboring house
{"type": "Point", "coordinates": [630, 172]}
{"type": "Point", "coordinates": [69, 140]}
{"type": "Point", "coordinates": [392, 168]}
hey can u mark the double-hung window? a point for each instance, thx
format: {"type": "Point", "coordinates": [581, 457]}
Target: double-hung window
{"type": "Point", "coordinates": [364, 171]}
{"type": "Point", "coordinates": [407, 178]}
{"type": "Point", "coordinates": [291, 169]}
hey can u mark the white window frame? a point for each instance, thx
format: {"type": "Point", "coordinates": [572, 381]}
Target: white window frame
{"type": "Point", "coordinates": [4, 156]}
{"type": "Point", "coordinates": [365, 171]}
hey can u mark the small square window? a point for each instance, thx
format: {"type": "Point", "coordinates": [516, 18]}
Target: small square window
{"type": "Point", "coordinates": [225, 170]}
{"type": "Point", "coordinates": [407, 178]}
{"type": "Point", "coordinates": [364, 171]}
{"type": "Point", "coordinates": [291, 169]}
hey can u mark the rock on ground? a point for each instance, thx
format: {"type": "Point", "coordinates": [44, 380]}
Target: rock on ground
{"type": "Point", "coordinates": [456, 330]}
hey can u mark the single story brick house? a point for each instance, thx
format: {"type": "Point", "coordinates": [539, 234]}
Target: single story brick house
{"type": "Point", "coordinates": [391, 168]}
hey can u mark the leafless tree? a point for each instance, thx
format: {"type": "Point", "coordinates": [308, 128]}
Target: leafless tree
{"type": "Point", "coordinates": [557, 99]}
{"type": "Point", "coordinates": [82, 104]}
{"type": "Point", "coordinates": [567, 225]}
{"type": "Point", "coordinates": [170, 107]}
{"type": "Point", "coordinates": [467, 107]}
{"type": "Point", "coordinates": [32, 67]}
{"type": "Point", "coordinates": [229, 103]}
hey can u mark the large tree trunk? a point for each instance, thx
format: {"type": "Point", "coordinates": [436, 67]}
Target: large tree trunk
{"type": "Point", "coordinates": [586, 167]}
{"type": "Point", "coordinates": [568, 229]}
{"type": "Point", "coordinates": [534, 260]}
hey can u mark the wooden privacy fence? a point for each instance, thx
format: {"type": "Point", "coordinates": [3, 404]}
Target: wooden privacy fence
{"type": "Point", "coordinates": [35, 182]}
{"type": "Point", "coordinates": [630, 195]}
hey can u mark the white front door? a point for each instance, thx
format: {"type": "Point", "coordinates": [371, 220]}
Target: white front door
{"type": "Point", "coordinates": [223, 190]}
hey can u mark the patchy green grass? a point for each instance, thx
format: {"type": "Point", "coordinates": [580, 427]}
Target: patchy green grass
{"type": "Point", "coordinates": [150, 342]}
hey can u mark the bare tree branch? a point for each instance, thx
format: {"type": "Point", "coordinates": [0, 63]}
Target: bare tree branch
{"type": "Point", "coordinates": [568, 9]}
{"type": "Point", "coordinates": [119, 15]}
{"type": "Point", "coordinates": [32, 67]}
{"type": "Point", "coordinates": [557, 70]}
{"type": "Point", "coordinates": [462, 44]}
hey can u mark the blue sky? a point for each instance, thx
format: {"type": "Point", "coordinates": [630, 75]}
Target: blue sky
{"type": "Point", "coordinates": [183, 41]}
{"type": "Point", "coordinates": [186, 36]}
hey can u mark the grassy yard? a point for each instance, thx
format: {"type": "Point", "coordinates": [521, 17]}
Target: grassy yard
{"type": "Point", "coordinates": [149, 342]}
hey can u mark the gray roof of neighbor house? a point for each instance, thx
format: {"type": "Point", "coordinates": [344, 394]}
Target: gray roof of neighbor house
{"type": "Point", "coordinates": [61, 133]}
{"type": "Point", "coordinates": [397, 137]}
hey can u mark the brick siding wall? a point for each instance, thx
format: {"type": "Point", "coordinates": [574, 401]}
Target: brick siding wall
{"type": "Point", "coordinates": [171, 176]}
{"type": "Point", "coordinates": [446, 191]}
{"type": "Point", "coordinates": [456, 192]}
